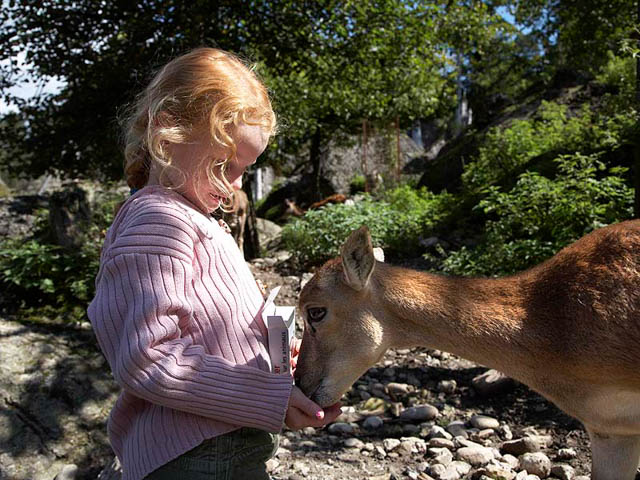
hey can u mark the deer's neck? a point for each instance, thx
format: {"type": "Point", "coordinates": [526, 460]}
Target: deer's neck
{"type": "Point", "coordinates": [479, 319]}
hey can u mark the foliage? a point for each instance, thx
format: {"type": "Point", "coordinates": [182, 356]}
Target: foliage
{"type": "Point", "coordinates": [620, 73]}
{"type": "Point", "coordinates": [44, 279]}
{"type": "Point", "coordinates": [540, 215]}
{"type": "Point", "coordinates": [328, 65]}
{"type": "Point", "coordinates": [576, 35]}
{"type": "Point", "coordinates": [554, 129]}
{"type": "Point", "coordinates": [396, 221]}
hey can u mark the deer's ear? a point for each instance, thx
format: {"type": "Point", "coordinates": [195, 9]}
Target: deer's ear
{"type": "Point", "coordinates": [357, 258]}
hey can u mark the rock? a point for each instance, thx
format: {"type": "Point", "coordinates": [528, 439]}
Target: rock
{"type": "Point", "coordinates": [520, 446]}
{"type": "Point", "coordinates": [441, 443]}
{"type": "Point", "coordinates": [438, 432]}
{"type": "Point", "coordinates": [410, 430]}
{"type": "Point", "coordinates": [505, 432]}
{"type": "Point", "coordinates": [511, 461]}
{"type": "Point", "coordinates": [390, 444]}
{"type": "Point", "coordinates": [447, 386]}
{"type": "Point", "coordinates": [536, 463]}
{"type": "Point", "coordinates": [68, 472]}
{"type": "Point", "coordinates": [475, 456]}
{"type": "Point", "coordinates": [563, 472]}
{"type": "Point", "coordinates": [482, 422]}
{"type": "Point", "coordinates": [457, 429]}
{"type": "Point", "coordinates": [441, 455]}
{"type": "Point", "coordinates": [398, 389]}
{"type": "Point", "coordinates": [349, 415]}
{"type": "Point", "coordinates": [112, 471]}
{"type": "Point", "coordinates": [419, 413]}
{"type": "Point", "coordinates": [372, 423]}
{"type": "Point", "coordinates": [340, 428]}
{"type": "Point", "coordinates": [492, 383]}
{"type": "Point", "coordinates": [272, 464]}
{"type": "Point", "coordinates": [525, 476]}
{"type": "Point", "coordinates": [566, 454]}
{"type": "Point", "coordinates": [69, 216]}
{"type": "Point", "coordinates": [412, 445]}
{"type": "Point", "coordinates": [353, 443]}
{"type": "Point", "coordinates": [496, 472]}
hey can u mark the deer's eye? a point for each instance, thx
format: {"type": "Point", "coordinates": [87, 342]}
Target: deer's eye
{"type": "Point", "coordinates": [315, 314]}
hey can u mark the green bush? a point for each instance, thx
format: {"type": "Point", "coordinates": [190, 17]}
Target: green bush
{"type": "Point", "coordinates": [396, 221]}
{"type": "Point", "coordinates": [45, 280]}
{"type": "Point", "coordinates": [505, 152]}
{"type": "Point", "coordinates": [539, 216]}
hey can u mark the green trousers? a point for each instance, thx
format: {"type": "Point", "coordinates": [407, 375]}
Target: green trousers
{"type": "Point", "coordinates": [238, 455]}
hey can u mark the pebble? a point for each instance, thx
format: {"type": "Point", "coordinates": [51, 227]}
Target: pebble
{"type": "Point", "coordinates": [372, 423]}
{"type": "Point", "coordinates": [520, 446]}
{"type": "Point", "coordinates": [398, 389]}
{"type": "Point", "coordinates": [482, 422]}
{"type": "Point", "coordinates": [340, 428]}
{"type": "Point", "coordinates": [536, 463]}
{"type": "Point", "coordinates": [419, 413]}
{"type": "Point", "coordinates": [438, 432]}
{"type": "Point", "coordinates": [491, 383]}
{"type": "Point", "coordinates": [441, 443]}
{"type": "Point", "coordinates": [447, 386]}
{"type": "Point", "coordinates": [353, 443]}
{"type": "Point", "coordinates": [413, 445]}
{"type": "Point", "coordinates": [497, 471]}
{"type": "Point", "coordinates": [511, 460]}
{"type": "Point", "coordinates": [457, 429]}
{"type": "Point", "coordinates": [525, 476]}
{"type": "Point", "coordinates": [272, 464]}
{"type": "Point", "coordinates": [566, 454]}
{"type": "Point", "coordinates": [68, 472]}
{"type": "Point", "coordinates": [441, 455]}
{"type": "Point", "coordinates": [563, 472]}
{"type": "Point", "coordinates": [390, 444]}
{"type": "Point", "coordinates": [475, 456]}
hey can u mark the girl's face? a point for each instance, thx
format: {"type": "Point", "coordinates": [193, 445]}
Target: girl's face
{"type": "Point", "coordinates": [192, 159]}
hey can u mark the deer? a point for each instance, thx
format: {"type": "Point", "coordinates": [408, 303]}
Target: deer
{"type": "Point", "coordinates": [237, 217]}
{"type": "Point", "coordinates": [569, 328]}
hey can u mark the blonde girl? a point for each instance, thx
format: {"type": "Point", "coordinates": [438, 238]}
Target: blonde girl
{"type": "Point", "coordinates": [177, 310]}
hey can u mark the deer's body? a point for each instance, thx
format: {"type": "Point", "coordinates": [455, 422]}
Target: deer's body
{"type": "Point", "coordinates": [237, 218]}
{"type": "Point", "coordinates": [569, 328]}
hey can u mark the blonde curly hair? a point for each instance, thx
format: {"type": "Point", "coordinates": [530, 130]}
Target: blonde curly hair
{"type": "Point", "coordinates": [206, 87]}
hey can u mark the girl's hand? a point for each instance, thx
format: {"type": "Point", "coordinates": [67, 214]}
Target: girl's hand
{"type": "Point", "coordinates": [303, 412]}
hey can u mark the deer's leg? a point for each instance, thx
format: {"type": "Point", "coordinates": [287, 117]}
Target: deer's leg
{"type": "Point", "coordinates": [615, 457]}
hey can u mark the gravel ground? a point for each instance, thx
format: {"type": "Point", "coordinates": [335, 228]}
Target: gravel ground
{"type": "Point", "coordinates": [418, 414]}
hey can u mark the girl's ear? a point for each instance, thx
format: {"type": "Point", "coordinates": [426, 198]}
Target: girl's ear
{"type": "Point", "coordinates": [357, 259]}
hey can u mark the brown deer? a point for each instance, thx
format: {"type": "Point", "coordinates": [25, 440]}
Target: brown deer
{"type": "Point", "coordinates": [568, 328]}
{"type": "Point", "coordinates": [237, 218]}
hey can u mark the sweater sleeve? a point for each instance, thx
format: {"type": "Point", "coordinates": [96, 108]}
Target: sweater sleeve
{"type": "Point", "coordinates": [139, 311]}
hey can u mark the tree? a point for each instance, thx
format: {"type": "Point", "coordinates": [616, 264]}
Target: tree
{"type": "Point", "coordinates": [329, 63]}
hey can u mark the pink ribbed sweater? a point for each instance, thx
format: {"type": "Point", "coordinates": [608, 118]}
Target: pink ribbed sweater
{"type": "Point", "coordinates": [176, 314]}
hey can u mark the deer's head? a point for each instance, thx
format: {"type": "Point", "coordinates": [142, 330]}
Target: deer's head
{"type": "Point", "coordinates": [344, 322]}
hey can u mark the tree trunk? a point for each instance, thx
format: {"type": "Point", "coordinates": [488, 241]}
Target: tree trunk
{"type": "Point", "coordinates": [636, 163]}
{"type": "Point", "coordinates": [251, 239]}
{"type": "Point", "coordinates": [316, 164]}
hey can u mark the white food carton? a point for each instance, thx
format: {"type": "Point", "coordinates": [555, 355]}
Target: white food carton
{"type": "Point", "coordinates": [281, 325]}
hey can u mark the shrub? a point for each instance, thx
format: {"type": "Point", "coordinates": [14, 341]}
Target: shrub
{"type": "Point", "coordinates": [539, 216]}
{"type": "Point", "coordinates": [45, 280]}
{"type": "Point", "coordinates": [396, 221]}
{"type": "Point", "coordinates": [505, 152]}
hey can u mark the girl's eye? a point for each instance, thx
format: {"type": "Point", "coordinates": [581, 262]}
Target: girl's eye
{"type": "Point", "coordinates": [315, 314]}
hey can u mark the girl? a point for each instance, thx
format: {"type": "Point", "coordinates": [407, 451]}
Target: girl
{"type": "Point", "coordinates": [177, 310]}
